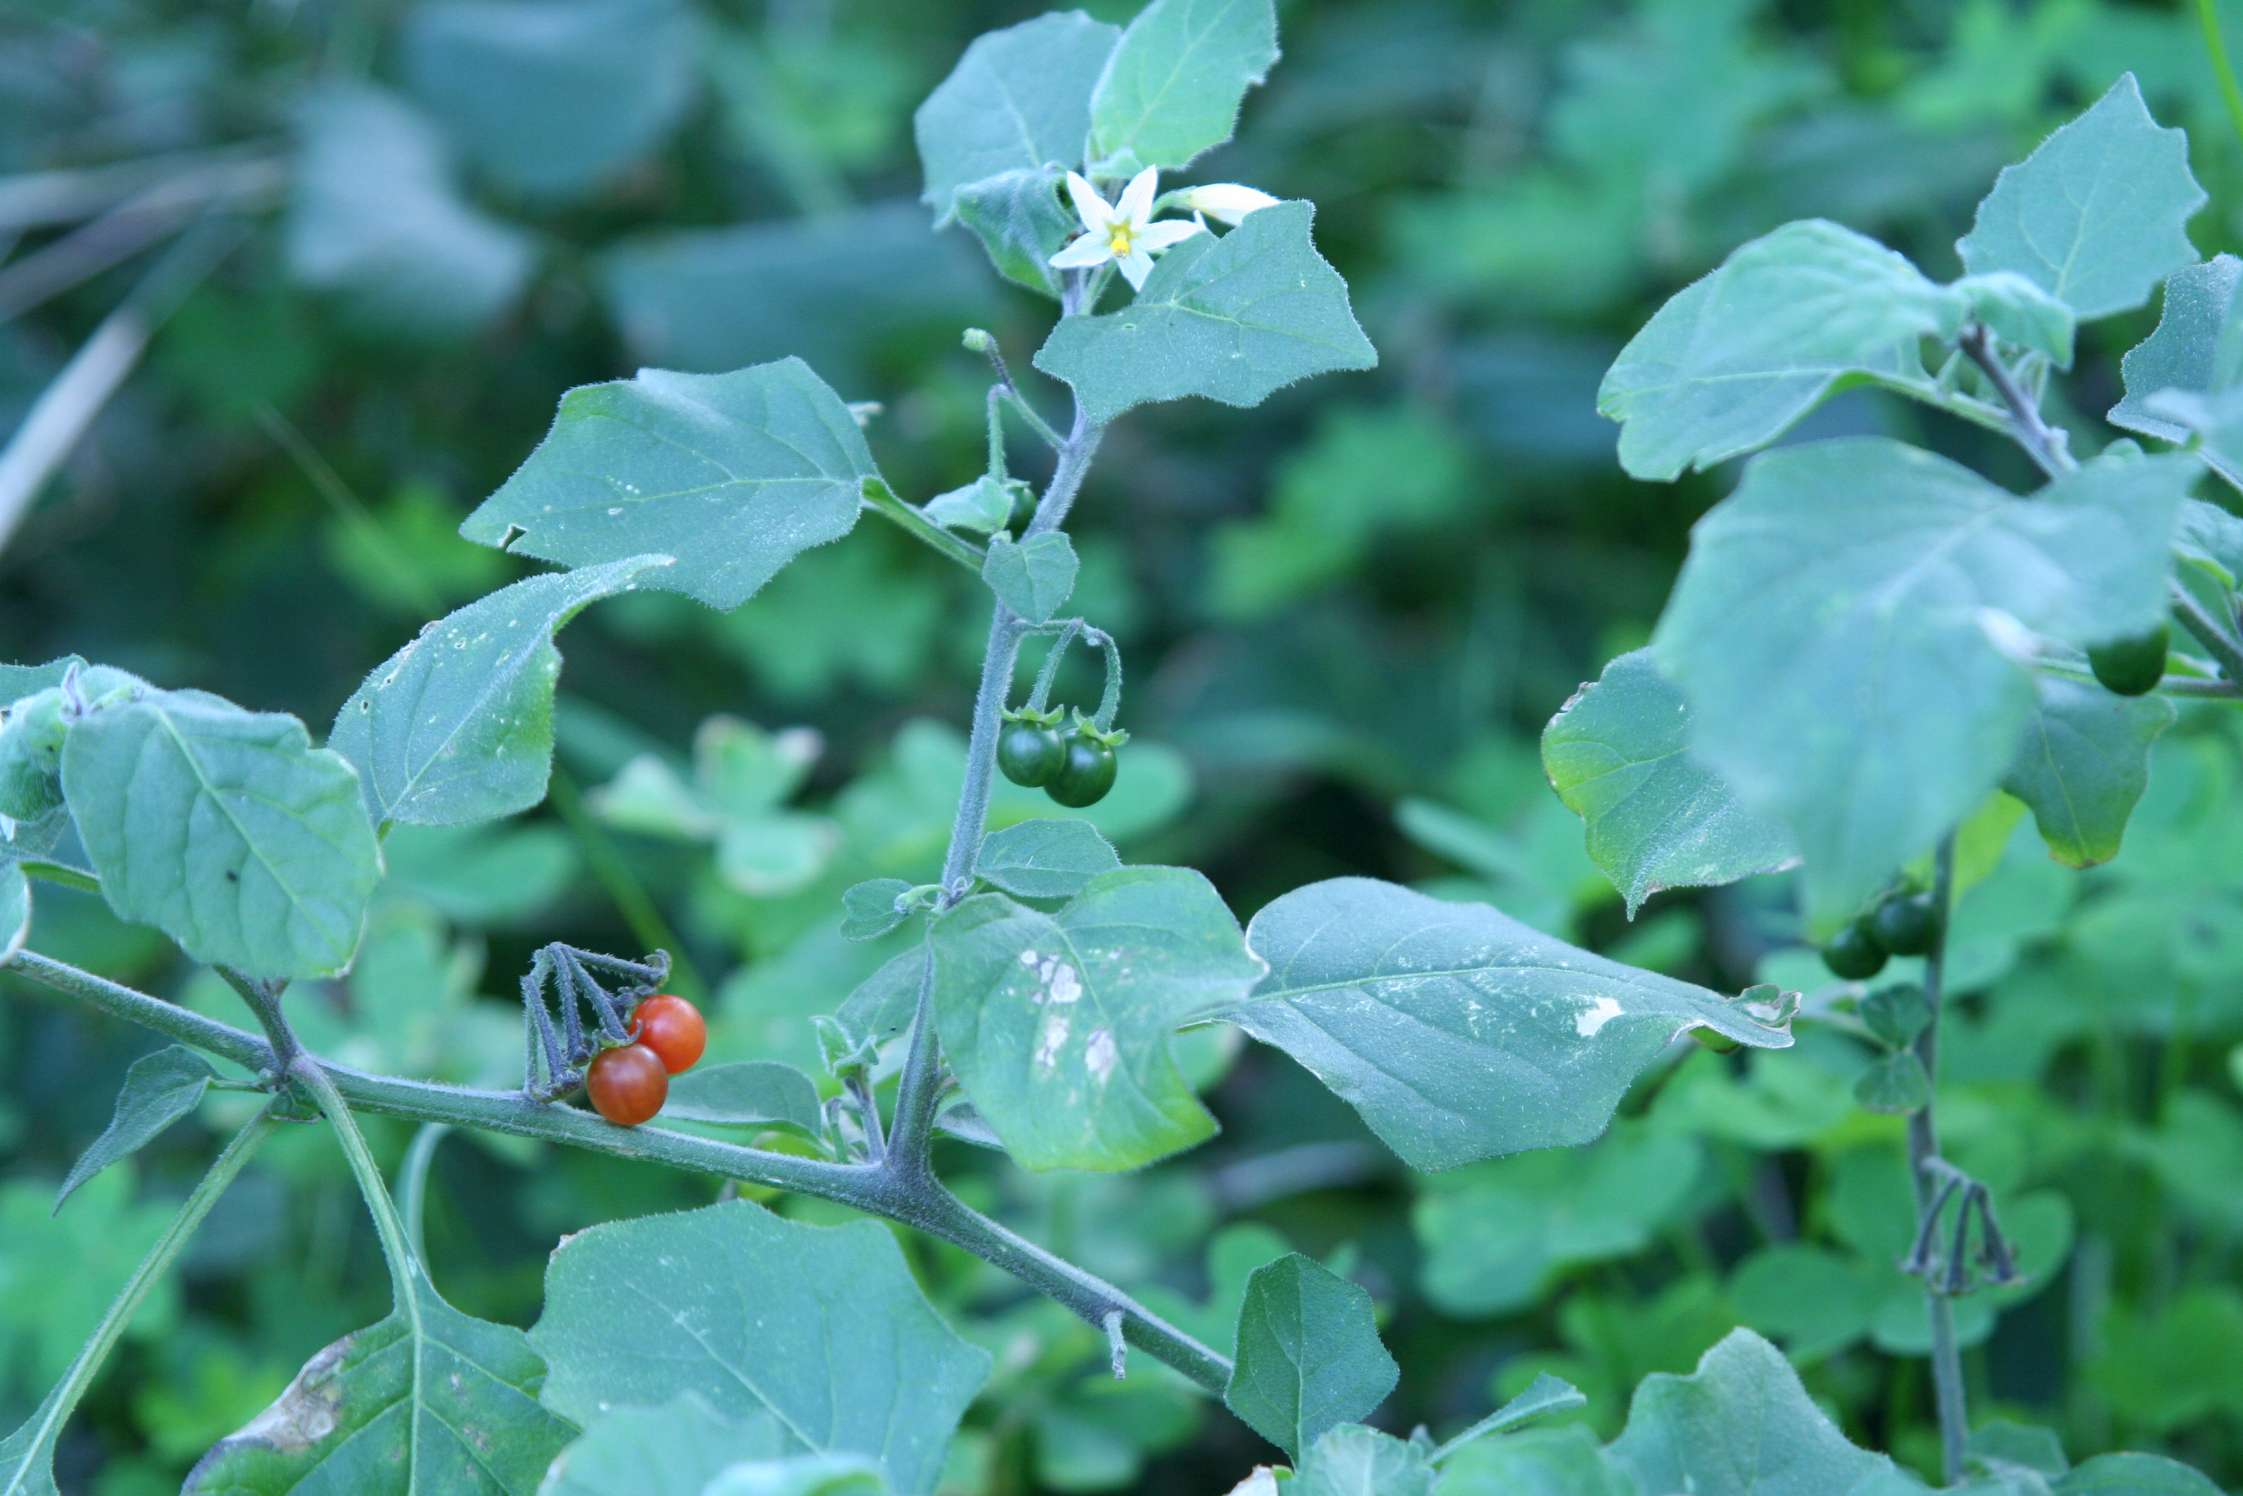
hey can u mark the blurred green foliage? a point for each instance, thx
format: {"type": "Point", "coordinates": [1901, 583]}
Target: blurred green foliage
{"type": "Point", "coordinates": [1347, 621]}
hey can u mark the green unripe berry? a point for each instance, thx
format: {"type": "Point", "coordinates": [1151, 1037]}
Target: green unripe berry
{"type": "Point", "coordinates": [1086, 775]}
{"type": "Point", "coordinates": [1030, 754]}
{"type": "Point", "coordinates": [1906, 924]}
{"type": "Point", "coordinates": [2131, 666]}
{"type": "Point", "coordinates": [1853, 953]}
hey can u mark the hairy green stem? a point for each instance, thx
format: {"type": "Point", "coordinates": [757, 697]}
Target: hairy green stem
{"type": "Point", "coordinates": [882, 500]}
{"type": "Point", "coordinates": [264, 1001]}
{"type": "Point", "coordinates": [2217, 640]}
{"type": "Point", "coordinates": [2049, 448]}
{"type": "Point", "coordinates": [874, 1190]}
{"type": "Point", "coordinates": [63, 1401]}
{"type": "Point", "coordinates": [412, 1183]}
{"type": "Point", "coordinates": [1923, 1149]}
{"type": "Point", "coordinates": [918, 1089]}
{"type": "Point", "coordinates": [397, 1250]}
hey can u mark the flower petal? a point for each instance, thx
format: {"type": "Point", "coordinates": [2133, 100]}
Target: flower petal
{"type": "Point", "coordinates": [1136, 265]}
{"type": "Point", "coordinates": [1089, 206]}
{"type": "Point", "coordinates": [1136, 205]}
{"type": "Point", "coordinates": [1084, 252]}
{"type": "Point", "coordinates": [1166, 234]}
{"type": "Point", "coordinates": [1227, 202]}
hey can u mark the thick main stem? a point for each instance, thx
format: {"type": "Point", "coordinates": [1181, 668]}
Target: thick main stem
{"type": "Point", "coordinates": [874, 1190]}
{"type": "Point", "coordinates": [1923, 1147]}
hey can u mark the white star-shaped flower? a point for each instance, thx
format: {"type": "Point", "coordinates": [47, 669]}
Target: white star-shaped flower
{"type": "Point", "coordinates": [1123, 232]}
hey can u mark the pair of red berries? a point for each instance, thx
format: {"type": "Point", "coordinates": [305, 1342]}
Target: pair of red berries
{"type": "Point", "coordinates": [630, 1082]}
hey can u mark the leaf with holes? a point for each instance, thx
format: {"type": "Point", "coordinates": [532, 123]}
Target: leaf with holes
{"type": "Point", "coordinates": [457, 726]}
{"type": "Point", "coordinates": [733, 474]}
{"type": "Point", "coordinates": [821, 1328]}
{"type": "Point", "coordinates": [1059, 1024]}
{"type": "Point", "coordinates": [1458, 1032]}
{"type": "Point", "coordinates": [1234, 319]}
{"type": "Point", "coordinates": [2097, 215]}
{"type": "Point", "coordinates": [223, 828]}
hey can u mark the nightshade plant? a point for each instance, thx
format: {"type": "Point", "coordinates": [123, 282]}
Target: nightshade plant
{"type": "Point", "coordinates": [1042, 983]}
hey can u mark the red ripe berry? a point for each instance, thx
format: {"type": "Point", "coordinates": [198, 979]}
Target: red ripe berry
{"type": "Point", "coordinates": [672, 1028]}
{"type": "Point", "coordinates": [628, 1084]}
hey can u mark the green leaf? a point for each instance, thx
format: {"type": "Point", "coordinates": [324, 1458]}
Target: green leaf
{"type": "Point", "coordinates": [1741, 1425]}
{"type": "Point", "coordinates": [2134, 1475]}
{"type": "Point", "coordinates": [1457, 1032]}
{"type": "Point", "coordinates": [1539, 1462]}
{"type": "Point", "coordinates": [1495, 1236]}
{"type": "Point", "coordinates": [752, 1093]}
{"type": "Point", "coordinates": [2096, 215]}
{"type": "Point", "coordinates": [15, 909]}
{"type": "Point", "coordinates": [1021, 222]}
{"type": "Point", "coordinates": [734, 474]}
{"type": "Point", "coordinates": [376, 220]}
{"type": "Point", "coordinates": [2083, 765]}
{"type": "Point", "coordinates": [1044, 859]}
{"type": "Point", "coordinates": [2020, 1444]}
{"type": "Point", "coordinates": [1309, 1356]}
{"type": "Point", "coordinates": [159, 1089]}
{"type": "Point", "coordinates": [429, 1402]}
{"type": "Point", "coordinates": [551, 97]}
{"type": "Point", "coordinates": [1733, 360]}
{"type": "Point", "coordinates": [1545, 1394]}
{"type": "Point", "coordinates": [2198, 346]}
{"type": "Point", "coordinates": [27, 1456]}
{"type": "Point", "coordinates": [2020, 312]}
{"type": "Point", "coordinates": [1233, 319]}
{"type": "Point", "coordinates": [821, 1327]}
{"type": "Point", "coordinates": [1618, 755]}
{"type": "Point", "coordinates": [1058, 1024]}
{"type": "Point", "coordinates": [1033, 577]}
{"type": "Point", "coordinates": [1352, 1460]}
{"type": "Point", "coordinates": [2216, 421]}
{"type": "Point", "coordinates": [223, 828]}
{"type": "Point", "coordinates": [1018, 100]}
{"type": "Point", "coordinates": [1173, 86]}
{"type": "Point", "coordinates": [1846, 626]}
{"type": "Point", "coordinates": [675, 1449]}
{"type": "Point", "coordinates": [1896, 1014]}
{"type": "Point", "coordinates": [803, 1475]}
{"type": "Point", "coordinates": [1896, 1084]}
{"type": "Point", "coordinates": [983, 506]}
{"type": "Point", "coordinates": [457, 726]}
{"type": "Point", "coordinates": [1815, 1300]}
{"type": "Point", "coordinates": [19, 681]}
{"type": "Point", "coordinates": [2211, 539]}
{"type": "Point", "coordinates": [869, 909]}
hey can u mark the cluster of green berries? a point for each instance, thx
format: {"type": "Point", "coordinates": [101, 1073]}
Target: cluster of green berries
{"type": "Point", "coordinates": [1903, 923]}
{"type": "Point", "coordinates": [1075, 767]}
